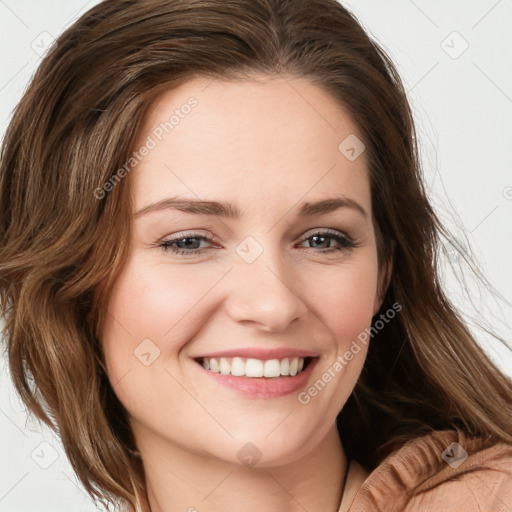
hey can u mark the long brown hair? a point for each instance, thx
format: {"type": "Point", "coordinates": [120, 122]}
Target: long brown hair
{"type": "Point", "coordinates": [61, 247]}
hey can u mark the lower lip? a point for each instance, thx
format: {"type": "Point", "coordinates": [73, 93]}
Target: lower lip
{"type": "Point", "coordinates": [263, 387]}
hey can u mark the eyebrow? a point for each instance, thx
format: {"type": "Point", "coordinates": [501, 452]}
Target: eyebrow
{"type": "Point", "coordinates": [231, 211]}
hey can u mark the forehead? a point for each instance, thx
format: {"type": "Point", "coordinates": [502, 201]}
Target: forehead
{"type": "Point", "coordinates": [279, 137]}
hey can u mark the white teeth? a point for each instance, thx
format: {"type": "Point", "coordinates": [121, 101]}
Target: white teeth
{"type": "Point", "coordinates": [224, 366]}
{"type": "Point", "coordinates": [238, 366]}
{"type": "Point", "coordinates": [272, 368]}
{"type": "Point", "coordinates": [294, 365]}
{"type": "Point", "coordinates": [214, 365]}
{"type": "Point", "coordinates": [254, 368]}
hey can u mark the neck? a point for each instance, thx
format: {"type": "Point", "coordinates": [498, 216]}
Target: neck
{"type": "Point", "coordinates": [179, 480]}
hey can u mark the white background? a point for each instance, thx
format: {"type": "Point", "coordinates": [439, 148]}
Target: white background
{"type": "Point", "coordinates": [462, 102]}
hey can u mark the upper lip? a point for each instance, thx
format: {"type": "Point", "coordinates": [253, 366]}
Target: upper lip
{"type": "Point", "coordinates": [260, 353]}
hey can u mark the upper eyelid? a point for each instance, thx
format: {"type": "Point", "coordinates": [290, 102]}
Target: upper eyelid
{"type": "Point", "coordinates": [345, 242]}
{"type": "Point", "coordinates": [307, 234]}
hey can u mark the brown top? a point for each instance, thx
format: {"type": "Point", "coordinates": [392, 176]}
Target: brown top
{"type": "Point", "coordinates": [430, 473]}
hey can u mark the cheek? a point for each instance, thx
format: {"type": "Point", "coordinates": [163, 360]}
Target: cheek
{"type": "Point", "coordinates": [153, 301]}
{"type": "Point", "coordinates": [344, 298]}
{"type": "Point", "coordinates": [152, 313]}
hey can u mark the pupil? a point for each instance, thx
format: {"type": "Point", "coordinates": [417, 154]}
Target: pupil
{"type": "Point", "coordinates": [187, 244]}
{"type": "Point", "coordinates": [317, 237]}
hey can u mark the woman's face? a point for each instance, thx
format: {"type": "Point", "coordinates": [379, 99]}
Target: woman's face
{"type": "Point", "coordinates": [275, 281]}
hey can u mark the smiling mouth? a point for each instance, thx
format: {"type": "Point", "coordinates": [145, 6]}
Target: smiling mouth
{"type": "Point", "coordinates": [255, 368]}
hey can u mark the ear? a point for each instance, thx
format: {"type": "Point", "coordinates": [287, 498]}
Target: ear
{"type": "Point", "coordinates": [383, 283]}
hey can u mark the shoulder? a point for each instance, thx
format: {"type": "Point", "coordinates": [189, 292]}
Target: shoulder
{"type": "Point", "coordinates": [445, 471]}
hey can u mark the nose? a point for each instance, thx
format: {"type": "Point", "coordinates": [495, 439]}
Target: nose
{"type": "Point", "coordinates": [261, 293]}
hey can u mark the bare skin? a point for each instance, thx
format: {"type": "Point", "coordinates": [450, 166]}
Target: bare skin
{"type": "Point", "coordinates": [267, 148]}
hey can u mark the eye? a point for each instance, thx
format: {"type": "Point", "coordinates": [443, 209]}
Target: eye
{"type": "Point", "coordinates": [343, 241]}
{"type": "Point", "coordinates": [190, 245]}
{"type": "Point", "coordinates": [185, 245]}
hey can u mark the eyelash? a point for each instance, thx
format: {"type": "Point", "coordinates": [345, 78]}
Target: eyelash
{"type": "Point", "coordinates": [346, 243]}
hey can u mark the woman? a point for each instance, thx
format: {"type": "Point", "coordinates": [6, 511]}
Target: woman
{"type": "Point", "coordinates": [165, 181]}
